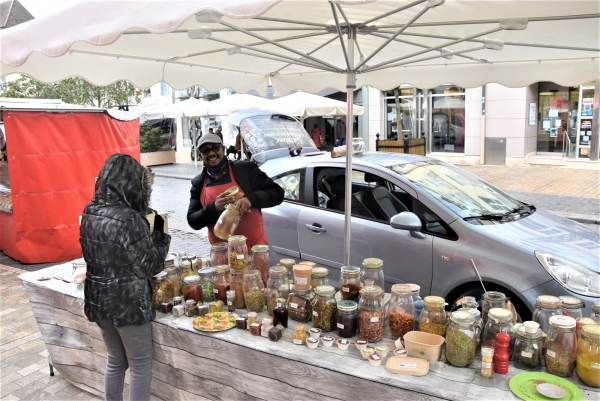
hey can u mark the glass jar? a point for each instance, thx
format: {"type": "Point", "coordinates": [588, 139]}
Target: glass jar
{"type": "Point", "coordinates": [499, 321]}
{"type": "Point", "coordinates": [172, 273]}
{"type": "Point", "coordinates": [280, 313]}
{"type": "Point", "coordinates": [230, 300]}
{"type": "Point", "coordinates": [289, 265]}
{"type": "Point", "coordinates": [302, 273]}
{"type": "Point", "coordinates": [358, 146]}
{"type": "Point", "coordinates": [187, 268]}
{"type": "Point", "coordinates": [252, 318]}
{"type": "Point", "coordinates": [162, 289]}
{"type": "Point", "coordinates": [325, 308]}
{"type": "Point", "coordinates": [489, 300]}
{"type": "Point", "coordinates": [350, 282]}
{"type": "Point", "coordinates": [222, 282]}
{"type": "Point", "coordinates": [418, 303]}
{"type": "Point", "coordinates": [347, 318]}
{"type": "Point", "coordinates": [545, 307]}
{"type": "Point", "coordinates": [236, 192]}
{"type": "Point", "coordinates": [260, 260]}
{"type": "Point", "coordinates": [80, 268]}
{"type": "Point", "coordinates": [299, 305]}
{"type": "Point", "coordinates": [299, 336]}
{"type": "Point", "coordinates": [192, 289]}
{"type": "Point", "coordinates": [583, 321]}
{"type": "Point", "coordinates": [190, 308]}
{"type": "Point", "coordinates": [319, 276]}
{"type": "Point", "coordinates": [237, 252]}
{"type": "Point", "coordinates": [204, 262]}
{"type": "Point", "coordinates": [571, 306]}
{"type": "Point", "coordinates": [461, 338]}
{"type": "Point", "coordinates": [401, 315]}
{"type": "Point", "coordinates": [218, 254]}
{"type": "Point", "coordinates": [267, 324]}
{"type": "Point", "coordinates": [254, 291]}
{"type": "Point", "coordinates": [228, 222]}
{"type": "Point", "coordinates": [370, 313]}
{"type": "Point", "coordinates": [561, 346]}
{"type": "Point", "coordinates": [596, 311]}
{"type": "Point", "coordinates": [528, 350]}
{"type": "Point", "coordinates": [207, 280]}
{"type": "Point", "coordinates": [433, 316]}
{"type": "Point", "coordinates": [588, 355]}
{"type": "Point", "coordinates": [215, 306]}
{"type": "Point", "coordinates": [470, 305]}
{"type": "Point", "coordinates": [237, 284]}
{"type": "Point", "coordinates": [173, 257]}
{"type": "Point", "coordinates": [372, 269]}
{"type": "Point", "coordinates": [278, 286]}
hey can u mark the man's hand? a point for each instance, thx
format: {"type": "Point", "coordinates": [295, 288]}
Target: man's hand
{"type": "Point", "coordinates": [159, 223]}
{"type": "Point", "coordinates": [243, 205]}
{"type": "Point", "coordinates": [222, 201]}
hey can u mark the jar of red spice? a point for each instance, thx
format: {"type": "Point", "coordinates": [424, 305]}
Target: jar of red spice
{"type": "Point", "coordinates": [192, 288]}
{"type": "Point", "coordinates": [370, 313]}
{"type": "Point", "coordinates": [222, 282]}
{"type": "Point", "coordinates": [218, 254]}
{"type": "Point", "coordinates": [260, 260]}
{"type": "Point", "coordinates": [401, 315]}
{"type": "Point", "coordinates": [350, 282]}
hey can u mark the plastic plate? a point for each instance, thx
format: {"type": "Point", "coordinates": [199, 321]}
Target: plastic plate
{"type": "Point", "coordinates": [524, 386]}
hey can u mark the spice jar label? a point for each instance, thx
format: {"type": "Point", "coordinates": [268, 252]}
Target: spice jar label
{"type": "Point", "coordinates": [407, 365]}
{"type": "Point", "coordinates": [487, 365]}
{"type": "Point", "coordinates": [293, 305]}
{"type": "Point", "coordinates": [220, 221]}
{"type": "Point", "coordinates": [595, 365]}
{"type": "Point", "coordinates": [240, 256]}
{"type": "Point", "coordinates": [375, 319]}
{"type": "Point", "coordinates": [229, 303]}
{"type": "Point", "coordinates": [297, 341]}
{"type": "Point", "coordinates": [216, 291]}
{"type": "Point", "coordinates": [315, 313]}
{"type": "Point", "coordinates": [376, 357]}
{"type": "Point", "coordinates": [340, 326]}
{"type": "Point", "coordinates": [551, 354]}
{"type": "Point", "coordinates": [526, 354]}
{"type": "Point", "coordinates": [345, 289]}
{"type": "Point", "coordinates": [301, 280]}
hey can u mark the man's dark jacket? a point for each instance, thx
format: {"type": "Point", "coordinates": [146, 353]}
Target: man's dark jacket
{"type": "Point", "coordinates": [261, 190]}
{"type": "Point", "coordinates": [121, 254]}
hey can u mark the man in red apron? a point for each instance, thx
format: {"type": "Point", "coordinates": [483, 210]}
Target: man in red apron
{"type": "Point", "coordinates": [208, 198]}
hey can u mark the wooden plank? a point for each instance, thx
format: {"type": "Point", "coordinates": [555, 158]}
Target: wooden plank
{"type": "Point", "coordinates": [164, 389]}
{"type": "Point", "coordinates": [211, 389]}
{"type": "Point", "coordinates": [65, 337]}
{"type": "Point", "coordinates": [44, 295]}
{"type": "Point", "coordinates": [51, 315]}
{"type": "Point", "coordinates": [83, 378]}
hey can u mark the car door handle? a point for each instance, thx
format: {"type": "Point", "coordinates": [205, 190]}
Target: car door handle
{"type": "Point", "coordinates": [316, 227]}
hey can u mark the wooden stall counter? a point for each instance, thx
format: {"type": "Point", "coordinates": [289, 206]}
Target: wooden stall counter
{"type": "Point", "coordinates": [233, 364]}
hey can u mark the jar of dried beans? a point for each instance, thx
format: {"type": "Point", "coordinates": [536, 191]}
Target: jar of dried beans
{"type": "Point", "coordinates": [260, 260]}
{"type": "Point", "coordinates": [278, 286]}
{"type": "Point", "coordinates": [218, 254]}
{"type": "Point", "coordinates": [401, 316]}
{"type": "Point", "coordinates": [370, 313]}
{"type": "Point", "coordinates": [499, 321]}
{"type": "Point", "coordinates": [350, 282]}
{"type": "Point", "coordinates": [237, 252]}
{"type": "Point", "coordinates": [561, 346]}
{"type": "Point", "coordinates": [254, 291]}
{"type": "Point", "coordinates": [433, 316]}
{"type": "Point", "coordinates": [588, 355]}
{"type": "Point", "coordinates": [222, 282]}
{"type": "Point", "coordinates": [228, 222]}
{"type": "Point", "coordinates": [461, 338]}
{"type": "Point", "coordinates": [324, 308]}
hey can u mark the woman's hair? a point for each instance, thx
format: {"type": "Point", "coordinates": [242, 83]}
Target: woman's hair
{"type": "Point", "coordinates": [316, 125]}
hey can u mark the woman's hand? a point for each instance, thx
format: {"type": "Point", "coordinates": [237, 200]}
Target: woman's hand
{"type": "Point", "coordinates": [243, 205]}
{"type": "Point", "coordinates": [223, 200]}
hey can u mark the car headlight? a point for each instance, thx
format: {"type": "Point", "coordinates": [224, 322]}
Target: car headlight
{"type": "Point", "coordinates": [572, 276]}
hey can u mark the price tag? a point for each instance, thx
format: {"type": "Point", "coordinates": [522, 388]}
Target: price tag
{"type": "Point", "coordinates": [377, 357]}
{"type": "Point", "coordinates": [301, 280]}
{"type": "Point", "coordinates": [340, 326]}
{"type": "Point", "coordinates": [407, 365]}
{"type": "Point", "coordinates": [297, 341]}
{"type": "Point", "coordinates": [216, 290]}
{"type": "Point", "coordinates": [595, 365]}
{"type": "Point", "coordinates": [229, 303]}
{"type": "Point", "coordinates": [526, 354]}
{"type": "Point", "coordinates": [487, 365]}
{"type": "Point", "coordinates": [374, 319]}
{"type": "Point", "coordinates": [315, 313]}
{"type": "Point", "coordinates": [345, 289]}
{"type": "Point", "coordinates": [240, 256]}
{"type": "Point", "coordinates": [293, 305]}
{"type": "Point", "coordinates": [551, 354]}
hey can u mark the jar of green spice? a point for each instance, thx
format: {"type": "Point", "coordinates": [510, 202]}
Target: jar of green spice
{"type": "Point", "coordinates": [461, 338]}
{"type": "Point", "coordinates": [254, 291]}
{"type": "Point", "coordinates": [325, 308]}
{"type": "Point", "coordinates": [207, 278]}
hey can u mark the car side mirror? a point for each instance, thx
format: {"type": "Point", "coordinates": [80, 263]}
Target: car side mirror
{"type": "Point", "coordinates": [408, 221]}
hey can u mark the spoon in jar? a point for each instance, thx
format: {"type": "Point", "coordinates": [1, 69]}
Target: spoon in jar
{"type": "Point", "coordinates": [477, 272]}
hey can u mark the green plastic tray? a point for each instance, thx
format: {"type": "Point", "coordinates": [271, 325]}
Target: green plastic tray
{"type": "Point", "coordinates": [524, 386]}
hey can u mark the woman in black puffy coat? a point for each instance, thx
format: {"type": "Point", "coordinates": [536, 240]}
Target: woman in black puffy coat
{"type": "Point", "coordinates": [122, 256]}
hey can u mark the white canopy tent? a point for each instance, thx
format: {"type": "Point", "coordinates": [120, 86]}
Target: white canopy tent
{"type": "Point", "coordinates": [186, 108]}
{"type": "Point", "coordinates": [341, 44]}
{"type": "Point", "coordinates": [303, 105]}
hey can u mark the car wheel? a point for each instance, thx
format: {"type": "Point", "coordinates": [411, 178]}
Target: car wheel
{"type": "Point", "coordinates": [523, 313]}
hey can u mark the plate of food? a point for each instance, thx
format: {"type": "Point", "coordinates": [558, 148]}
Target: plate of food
{"type": "Point", "coordinates": [216, 321]}
{"type": "Point", "coordinates": [525, 386]}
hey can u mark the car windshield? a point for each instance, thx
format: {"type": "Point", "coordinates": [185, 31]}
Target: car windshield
{"type": "Point", "coordinates": [266, 132]}
{"type": "Point", "coordinates": [461, 191]}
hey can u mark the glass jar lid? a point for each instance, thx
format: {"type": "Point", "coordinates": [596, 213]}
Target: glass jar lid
{"type": "Point", "coordinates": [267, 321]}
{"type": "Point", "coordinates": [401, 289]}
{"type": "Point", "coordinates": [500, 315]}
{"type": "Point", "coordinates": [308, 263]}
{"type": "Point", "coordinates": [277, 271]}
{"type": "Point", "coordinates": [522, 332]}
{"type": "Point", "coordinates": [596, 307]}
{"type": "Point", "coordinates": [160, 276]}
{"type": "Point", "coordinates": [325, 290]}
{"type": "Point", "coordinates": [571, 302]}
{"type": "Point", "coordinates": [206, 272]}
{"type": "Point", "coordinates": [494, 296]}
{"type": "Point", "coordinates": [415, 288]}
{"type": "Point", "coordinates": [303, 268]}
{"type": "Point", "coordinates": [548, 301]}
{"type": "Point", "coordinates": [252, 314]}
{"type": "Point", "coordinates": [585, 321]}
{"type": "Point", "coordinates": [591, 332]}
{"type": "Point", "coordinates": [232, 191]}
{"type": "Point", "coordinates": [319, 272]}
{"type": "Point", "coordinates": [433, 301]}
{"type": "Point", "coordinates": [347, 306]}
{"type": "Point", "coordinates": [236, 273]}
{"type": "Point", "coordinates": [350, 270]}
{"type": "Point", "coordinates": [191, 280]}
{"type": "Point", "coordinates": [561, 321]}
{"type": "Point", "coordinates": [462, 317]}
{"type": "Point", "coordinates": [469, 303]}
{"type": "Point", "coordinates": [236, 238]}
{"type": "Point", "coordinates": [299, 327]}
{"type": "Point", "coordinates": [219, 246]}
{"type": "Point", "coordinates": [221, 269]}
{"type": "Point", "coordinates": [289, 263]}
{"type": "Point", "coordinates": [260, 248]}
{"type": "Point", "coordinates": [251, 273]}
{"type": "Point", "coordinates": [280, 301]}
{"type": "Point", "coordinates": [231, 208]}
{"type": "Point", "coordinates": [371, 290]}
{"type": "Point", "coordinates": [372, 263]}
{"type": "Point", "coordinates": [170, 270]}
{"type": "Point", "coordinates": [359, 139]}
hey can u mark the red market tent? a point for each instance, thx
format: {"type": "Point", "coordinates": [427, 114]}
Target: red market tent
{"type": "Point", "coordinates": [55, 151]}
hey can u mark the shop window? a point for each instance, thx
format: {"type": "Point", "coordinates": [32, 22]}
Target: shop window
{"type": "Point", "coordinates": [447, 119]}
{"type": "Point", "coordinates": [164, 89]}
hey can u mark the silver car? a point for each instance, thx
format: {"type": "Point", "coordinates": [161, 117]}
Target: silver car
{"type": "Point", "coordinates": [441, 216]}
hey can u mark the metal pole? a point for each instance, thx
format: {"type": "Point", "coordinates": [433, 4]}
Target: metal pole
{"type": "Point", "coordinates": [350, 86]}
{"type": "Point", "coordinates": [195, 144]}
{"type": "Point", "coordinates": [595, 139]}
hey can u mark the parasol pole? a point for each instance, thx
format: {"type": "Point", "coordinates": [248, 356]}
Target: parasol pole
{"type": "Point", "coordinates": [350, 86]}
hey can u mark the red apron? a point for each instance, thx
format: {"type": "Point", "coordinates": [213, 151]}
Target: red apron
{"type": "Point", "coordinates": [251, 223]}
